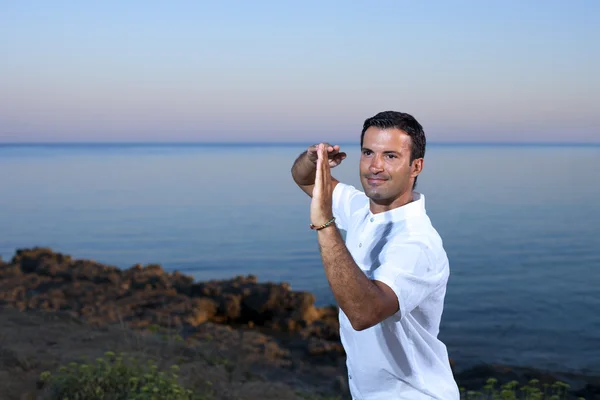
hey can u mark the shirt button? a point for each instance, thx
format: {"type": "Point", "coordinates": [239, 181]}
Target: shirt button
{"type": "Point", "coordinates": [372, 219]}
{"type": "Point", "coordinates": [360, 245]}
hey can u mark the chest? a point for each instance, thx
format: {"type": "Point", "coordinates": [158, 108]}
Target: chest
{"type": "Point", "coordinates": [368, 239]}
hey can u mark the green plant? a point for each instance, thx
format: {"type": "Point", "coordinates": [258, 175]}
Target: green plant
{"type": "Point", "coordinates": [113, 377]}
{"type": "Point", "coordinates": [164, 333]}
{"type": "Point", "coordinates": [312, 396]}
{"type": "Point", "coordinates": [511, 391]}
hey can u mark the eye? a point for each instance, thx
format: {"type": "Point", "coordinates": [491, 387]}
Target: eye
{"type": "Point", "coordinates": [392, 156]}
{"type": "Point", "coordinates": [366, 152]}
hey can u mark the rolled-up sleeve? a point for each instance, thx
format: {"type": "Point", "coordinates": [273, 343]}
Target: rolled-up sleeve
{"type": "Point", "coordinates": [410, 273]}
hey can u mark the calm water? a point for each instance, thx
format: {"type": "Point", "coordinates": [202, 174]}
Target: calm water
{"type": "Point", "coordinates": [521, 226]}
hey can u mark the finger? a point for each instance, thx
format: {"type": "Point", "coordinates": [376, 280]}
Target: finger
{"type": "Point", "coordinates": [319, 173]}
{"type": "Point", "coordinates": [325, 168]}
{"type": "Point", "coordinates": [326, 176]}
{"type": "Point", "coordinates": [338, 159]}
{"type": "Point", "coordinates": [323, 153]}
{"type": "Point", "coordinates": [333, 153]}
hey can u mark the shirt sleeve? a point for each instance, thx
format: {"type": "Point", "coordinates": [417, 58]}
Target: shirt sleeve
{"type": "Point", "coordinates": [345, 199]}
{"type": "Point", "coordinates": [410, 273]}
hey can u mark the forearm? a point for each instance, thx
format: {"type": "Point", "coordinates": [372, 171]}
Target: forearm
{"type": "Point", "coordinates": [355, 293]}
{"type": "Point", "coordinates": [304, 170]}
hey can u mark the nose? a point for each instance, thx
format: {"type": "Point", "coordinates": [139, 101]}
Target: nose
{"type": "Point", "coordinates": [376, 164]}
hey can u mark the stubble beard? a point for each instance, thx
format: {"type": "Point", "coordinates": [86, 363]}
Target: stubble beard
{"type": "Point", "coordinates": [378, 194]}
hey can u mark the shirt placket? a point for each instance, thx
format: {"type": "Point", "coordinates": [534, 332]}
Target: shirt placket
{"type": "Point", "coordinates": [365, 238]}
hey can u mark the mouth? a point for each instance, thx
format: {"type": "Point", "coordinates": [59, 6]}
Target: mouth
{"type": "Point", "coordinates": [375, 180]}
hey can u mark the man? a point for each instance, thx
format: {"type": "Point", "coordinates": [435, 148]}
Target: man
{"type": "Point", "coordinates": [389, 276]}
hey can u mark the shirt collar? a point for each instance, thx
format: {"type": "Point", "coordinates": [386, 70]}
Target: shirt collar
{"type": "Point", "coordinates": [412, 209]}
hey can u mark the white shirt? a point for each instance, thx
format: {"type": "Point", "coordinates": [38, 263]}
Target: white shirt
{"type": "Point", "coordinates": [401, 357]}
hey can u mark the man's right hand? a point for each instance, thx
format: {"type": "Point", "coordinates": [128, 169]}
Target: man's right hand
{"type": "Point", "coordinates": [335, 157]}
{"type": "Point", "coordinates": [305, 166]}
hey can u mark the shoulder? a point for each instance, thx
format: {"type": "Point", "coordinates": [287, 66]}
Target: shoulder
{"type": "Point", "coordinates": [348, 197]}
{"type": "Point", "coordinates": [345, 191]}
{"type": "Point", "coordinates": [418, 248]}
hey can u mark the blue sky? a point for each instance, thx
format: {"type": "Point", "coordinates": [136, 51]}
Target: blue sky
{"type": "Point", "coordinates": [475, 71]}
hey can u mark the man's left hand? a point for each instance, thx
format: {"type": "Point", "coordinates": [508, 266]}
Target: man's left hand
{"type": "Point", "coordinates": [321, 204]}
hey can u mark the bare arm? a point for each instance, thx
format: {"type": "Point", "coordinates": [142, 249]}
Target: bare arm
{"type": "Point", "coordinates": [364, 301]}
{"type": "Point", "coordinates": [305, 167]}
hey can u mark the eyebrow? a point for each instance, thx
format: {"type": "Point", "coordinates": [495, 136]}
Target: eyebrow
{"type": "Point", "coordinates": [385, 152]}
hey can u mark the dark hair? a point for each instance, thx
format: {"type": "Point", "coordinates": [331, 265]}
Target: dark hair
{"type": "Point", "coordinates": [404, 122]}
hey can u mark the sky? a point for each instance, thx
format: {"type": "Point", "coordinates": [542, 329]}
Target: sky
{"type": "Point", "coordinates": [283, 71]}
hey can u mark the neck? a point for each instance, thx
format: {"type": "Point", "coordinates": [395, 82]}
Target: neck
{"type": "Point", "coordinates": [378, 206]}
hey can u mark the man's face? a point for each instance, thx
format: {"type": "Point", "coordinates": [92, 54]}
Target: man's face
{"type": "Point", "coordinates": [386, 173]}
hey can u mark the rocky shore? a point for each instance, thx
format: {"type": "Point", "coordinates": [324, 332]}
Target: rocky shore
{"type": "Point", "coordinates": [273, 332]}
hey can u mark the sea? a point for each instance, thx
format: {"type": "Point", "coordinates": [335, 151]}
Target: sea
{"type": "Point", "coordinates": [520, 224]}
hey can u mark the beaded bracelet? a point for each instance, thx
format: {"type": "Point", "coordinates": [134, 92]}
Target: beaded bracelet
{"type": "Point", "coordinates": [325, 225]}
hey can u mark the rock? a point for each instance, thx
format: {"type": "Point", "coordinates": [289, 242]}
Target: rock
{"type": "Point", "coordinates": [276, 326]}
{"type": "Point", "coordinates": [9, 271]}
{"type": "Point", "coordinates": [264, 301]}
{"type": "Point", "coordinates": [230, 307]}
{"type": "Point", "coordinates": [203, 310]}
{"type": "Point", "coordinates": [317, 347]}
{"type": "Point", "coordinates": [29, 259]}
{"type": "Point", "coordinates": [39, 278]}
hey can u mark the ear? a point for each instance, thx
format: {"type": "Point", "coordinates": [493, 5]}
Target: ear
{"type": "Point", "coordinates": [416, 167]}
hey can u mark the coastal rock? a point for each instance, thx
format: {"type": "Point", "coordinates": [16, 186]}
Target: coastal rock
{"type": "Point", "coordinates": [243, 300]}
{"type": "Point", "coordinates": [318, 347]}
{"type": "Point", "coordinates": [140, 296]}
{"type": "Point", "coordinates": [29, 259]}
{"type": "Point", "coordinates": [9, 270]}
{"type": "Point", "coordinates": [325, 325]}
{"type": "Point", "coordinates": [276, 326]}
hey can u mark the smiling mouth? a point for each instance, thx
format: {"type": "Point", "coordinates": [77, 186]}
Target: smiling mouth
{"type": "Point", "coordinates": [375, 181]}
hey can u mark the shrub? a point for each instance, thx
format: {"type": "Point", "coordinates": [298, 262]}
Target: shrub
{"type": "Point", "coordinates": [511, 391]}
{"type": "Point", "coordinates": [112, 377]}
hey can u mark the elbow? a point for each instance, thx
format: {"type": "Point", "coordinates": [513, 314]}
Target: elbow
{"type": "Point", "coordinates": [367, 319]}
{"type": "Point", "coordinates": [362, 323]}
{"type": "Point", "coordinates": [368, 314]}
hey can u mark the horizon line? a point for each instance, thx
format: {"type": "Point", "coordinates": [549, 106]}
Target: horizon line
{"type": "Point", "coordinates": [298, 143]}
